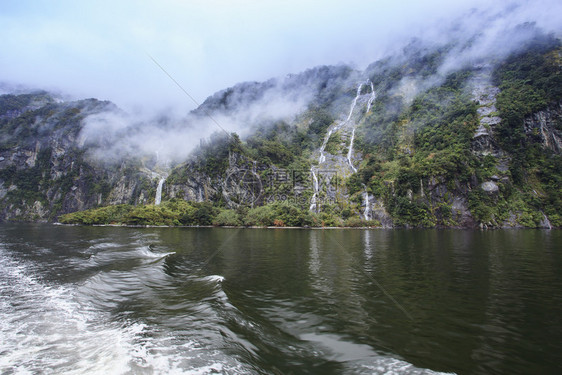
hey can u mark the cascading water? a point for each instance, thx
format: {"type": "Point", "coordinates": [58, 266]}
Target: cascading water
{"type": "Point", "coordinates": [313, 200]}
{"type": "Point", "coordinates": [351, 150]}
{"type": "Point", "coordinates": [546, 222]}
{"type": "Point", "coordinates": [372, 98]}
{"type": "Point", "coordinates": [322, 157]}
{"type": "Point", "coordinates": [367, 211]}
{"type": "Point", "coordinates": [354, 103]}
{"type": "Point", "coordinates": [369, 103]}
{"type": "Point", "coordinates": [158, 197]}
{"type": "Point", "coordinates": [335, 128]}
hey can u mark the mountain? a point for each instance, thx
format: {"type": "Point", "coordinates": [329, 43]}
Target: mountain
{"type": "Point", "coordinates": [427, 137]}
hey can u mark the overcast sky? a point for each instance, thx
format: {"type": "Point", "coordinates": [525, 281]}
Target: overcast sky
{"type": "Point", "coordinates": [99, 48]}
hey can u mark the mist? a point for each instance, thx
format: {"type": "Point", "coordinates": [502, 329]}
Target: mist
{"type": "Point", "coordinates": [84, 50]}
{"type": "Point", "coordinates": [478, 39]}
{"type": "Point", "coordinates": [167, 139]}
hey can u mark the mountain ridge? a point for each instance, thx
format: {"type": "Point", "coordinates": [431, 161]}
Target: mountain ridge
{"type": "Point", "coordinates": [406, 144]}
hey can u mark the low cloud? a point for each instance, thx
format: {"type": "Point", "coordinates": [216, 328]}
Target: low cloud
{"type": "Point", "coordinates": [111, 136]}
{"type": "Point", "coordinates": [208, 45]}
{"type": "Point", "coordinates": [481, 37]}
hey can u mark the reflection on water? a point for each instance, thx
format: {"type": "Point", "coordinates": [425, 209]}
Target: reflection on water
{"type": "Point", "coordinates": [368, 250]}
{"type": "Point", "coordinates": [212, 300]}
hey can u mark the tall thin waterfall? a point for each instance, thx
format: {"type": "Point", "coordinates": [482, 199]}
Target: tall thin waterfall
{"type": "Point", "coordinates": [354, 103]}
{"type": "Point", "coordinates": [369, 103]}
{"type": "Point", "coordinates": [322, 157]}
{"type": "Point", "coordinates": [367, 211]}
{"type": "Point", "coordinates": [313, 200]}
{"type": "Point", "coordinates": [335, 128]}
{"type": "Point", "coordinates": [372, 98]}
{"type": "Point", "coordinates": [158, 197]}
{"type": "Point", "coordinates": [351, 150]}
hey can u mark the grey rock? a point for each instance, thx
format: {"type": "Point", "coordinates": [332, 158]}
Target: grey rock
{"type": "Point", "coordinates": [490, 186]}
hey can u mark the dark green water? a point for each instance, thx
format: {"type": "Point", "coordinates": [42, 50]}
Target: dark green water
{"type": "Point", "coordinates": [211, 300]}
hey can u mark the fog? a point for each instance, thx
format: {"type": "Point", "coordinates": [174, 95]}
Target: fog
{"type": "Point", "coordinates": [112, 135]}
{"type": "Point", "coordinates": [101, 49]}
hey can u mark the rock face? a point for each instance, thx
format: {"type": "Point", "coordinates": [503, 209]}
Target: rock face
{"type": "Point", "coordinates": [365, 142]}
{"type": "Point", "coordinates": [484, 93]}
{"type": "Point", "coordinates": [47, 173]}
{"type": "Point", "coordinates": [547, 126]}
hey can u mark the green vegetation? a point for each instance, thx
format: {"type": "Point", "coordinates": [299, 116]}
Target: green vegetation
{"type": "Point", "coordinates": [103, 215]}
{"type": "Point", "coordinates": [407, 147]}
{"type": "Point", "coordinates": [177, 212]}
{"type": "Point", "coordinates": [420, 160]}
{"type": "Point", "coordinates": [411, 148]}
{"type": "Point", "coordinates": [531, 81]}
{"type": "Point", "coordinates": [334, 144]}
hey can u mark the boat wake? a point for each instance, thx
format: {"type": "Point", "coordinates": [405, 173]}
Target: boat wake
{"type": "Point", "coordinates": [47, 327]}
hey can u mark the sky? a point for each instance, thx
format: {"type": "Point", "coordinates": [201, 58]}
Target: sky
{"type": "Point", "coordinates": [103, 49]}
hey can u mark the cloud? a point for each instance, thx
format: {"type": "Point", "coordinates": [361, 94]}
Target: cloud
{"type": "Point", "coordinates": [99, 49]}
{"type": "Point", "coordinates": [481, 36]}
{"type": "Point", "coordinates": [112, 135]}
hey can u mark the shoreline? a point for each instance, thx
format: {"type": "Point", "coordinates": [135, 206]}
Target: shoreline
{"type": "Point", "coordinates": [292, 228]}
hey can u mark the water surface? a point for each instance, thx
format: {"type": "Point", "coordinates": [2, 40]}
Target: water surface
{"type": "Point", "coordinates": [272, 301]}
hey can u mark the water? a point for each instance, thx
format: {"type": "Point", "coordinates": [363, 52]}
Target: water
{"type": "Point", "coordinates": [350, 151]}
{"type": "Point", "coordinates": [322, 157]}
{"type": "Point", "coordinates": [158, 197]}
{"type": "Point", "coordinates": [316, 190]}
{"type": "Point", "coordinates": [372, 97]}
{"type": "Point", "coordinates": [367, 210]}
{"type": "Point", "coordinates": [335, 128]}
{"type": "Point", "coordinates": [106, 300]}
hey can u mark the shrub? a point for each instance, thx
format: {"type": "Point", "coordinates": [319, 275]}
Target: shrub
{"type": "Point", "coordinates": [278, 223]}
{"type": "Point", "coordinates": [104, 215]}
{"type": "Point", "coordinates": [357, 222]}
{"type": "Point", "coordinates": [259, 216]}
{"type": "Point", "coordinates": [227, 218]}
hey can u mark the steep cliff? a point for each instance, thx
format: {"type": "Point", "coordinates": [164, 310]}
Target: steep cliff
{"type": "Point", "coordinates": [45, 169]}
{"type": "Point", "coordinates": [404, 143]}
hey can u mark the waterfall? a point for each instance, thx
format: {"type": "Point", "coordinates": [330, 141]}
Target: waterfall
{"type": "Point", "coordinates": [158, 197]}
{"type": "Point", "coordinates": [322, 158]}
{"type": "Point", "coordinates": [350, 151]}
{"type": "Point", "coordinates": [546, 222]}
{"type": "Point", "coordinates": [369, 103]}
{"type": "Point", "coordinates": [367, 211]}
{"type": "Point", "coordinates": [335, 128]}
{"type": "Point", "coordinates": [354, 102]}
{"type": "Point", "coordinates": [313, 203]}
{"type": "Point", "coordinates": [372, 98]}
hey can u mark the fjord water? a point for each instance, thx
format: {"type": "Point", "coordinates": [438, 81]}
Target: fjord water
{"type": "Point", "coordinates": [79, 300]}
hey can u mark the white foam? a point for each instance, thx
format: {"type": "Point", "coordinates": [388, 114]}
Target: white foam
{"type": "Point", "coordinates": [362, 358]}
{"type": "Point", "coordinates": [214, 278]}
{"type": "Point", "coordinates": [147, 253]}
{"type": "Point", "coordinates": [45, 328]}
{"type": "Point", "coordinates": [215, 368]}
{"type": "Point", "coordinates": [48, 329]}
{"type": "Point", "coordinates": [392, 366]}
